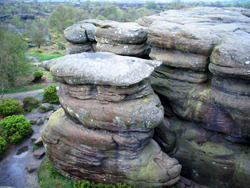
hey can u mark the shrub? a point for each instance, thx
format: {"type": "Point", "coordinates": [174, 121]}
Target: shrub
{"type": "Point", "coordinates": [37, 75]}
{"type": "Point", "coordinates": [29, 103]}
{"type": "Point", "coordinates": [3, 144]}
{"type": "Point", "coordinates": [10, 107]}
{"type": "Point", "coordinates": [43, 109]}
{"type": "Point", "coordinates": [15, 128]}
{"type": "Point", "coordinates": [50, 95]}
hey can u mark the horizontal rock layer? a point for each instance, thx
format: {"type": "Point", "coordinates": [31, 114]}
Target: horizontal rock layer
{"type": "Point", "coordinates": [102, 156]}
{"type": "Point", "coordinates": [110, 32]}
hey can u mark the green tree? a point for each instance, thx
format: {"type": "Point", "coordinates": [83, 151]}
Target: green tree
{"type": "Point", "coordinates": [37, 31]}
{"type": "Point", "coordinates": [24, 8]}
{"type": "Point", "coordinates": [64, 16]}
{"type": "Point", "coordinates": [151, 5]}
{"type": "Point", "coordinates": [13, 62]}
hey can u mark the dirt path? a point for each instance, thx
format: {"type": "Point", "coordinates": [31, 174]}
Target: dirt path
{"type": "Point", "coordinates": [21, 95]}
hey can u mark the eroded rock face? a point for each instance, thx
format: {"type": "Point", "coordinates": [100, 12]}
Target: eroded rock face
{"type": "Point", "coordinates": [204, 79]}
{"type": "Point", "coordinates": [122, 38]}
{"type": "Point", "coordinates": [205, 154]}
{"type": "Point", "coordinates": [104, 131]}
{"type": "Point", "coordinates": [81, 36]}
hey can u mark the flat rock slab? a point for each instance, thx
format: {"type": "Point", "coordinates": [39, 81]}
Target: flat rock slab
{"type": "Point", "coordinates": [38, 153]}
{"type": "Point", "coordinates": [32, 167]}
{"type": "Point", "coordinates": [101, 68]}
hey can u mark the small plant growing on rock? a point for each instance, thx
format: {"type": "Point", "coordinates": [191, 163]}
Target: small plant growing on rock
{"type": "Point", "coordinates": [3, 144]}
{"type": "Point", "coordinates": [37, 76]}
{"type": "Point", "coordinates": [10, 107]}
{"type": "Point", "coordinates": [50, 95]}
{"type": "Point", "coordinates": [29, 103]}
{"type": "Point", "coordinates": [15, 128]}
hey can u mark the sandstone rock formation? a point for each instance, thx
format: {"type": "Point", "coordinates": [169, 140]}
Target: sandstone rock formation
{"type": "Point", "coordinates": [81, 36]}
{"type": "Point", "coordinates": [104, 131]}
{"type": "Point", "coordinates": [128, 39]}
{"type": "Point", "coordinates": [204, 82]}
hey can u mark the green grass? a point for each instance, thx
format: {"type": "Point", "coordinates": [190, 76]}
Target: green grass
{"type": "Point", "coordinates": [27, 89]}
{"type": "Point", "coordinates": [44, 56]}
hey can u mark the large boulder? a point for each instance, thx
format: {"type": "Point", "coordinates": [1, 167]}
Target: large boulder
{"type": "Point", "coordinates": [104, 131]}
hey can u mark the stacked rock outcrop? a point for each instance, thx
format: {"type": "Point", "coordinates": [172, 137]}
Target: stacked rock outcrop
{"type": "Point", "coordinates": [129, 39]}
{"type": "Point", "coordinates": [104, 131]}
{"type": "Point", "coordinates": [204, 79]}
{"type": "Point", "coordinates": [81, 36]}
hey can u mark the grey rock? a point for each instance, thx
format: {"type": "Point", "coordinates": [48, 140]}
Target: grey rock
{"type": "Point", "coordinates": [185, 181]}
{"type": "Point", "coordinates": [32, 167]}
{"type": "Point", "coordinates": [78, 48]}
{"type": "Point", "coordinates": [39, 153]}
{"type": "Point", "coordinates": [39, 141]}
{"type": "Point", "coordinates": [102, 68]}
{"type": "Point", "coordinates": [231, 58]}
{"type": "Point", "coordinates": [48, 42]}
{"type": "Point", "coordinates": [136, 50]}
{"type": "Point", "coordinates": [75, 34]}
{"type": "Point", "coordinates": [92, 21]}
{"type": "Point", "coordinates": [126, 33]}
{"type": "Point", "coordinates": [35, 137]}
{"type": "Point", "coordinates": [90, 30]}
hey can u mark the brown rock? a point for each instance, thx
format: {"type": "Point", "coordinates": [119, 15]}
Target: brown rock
{"type": "Point", "coordinates": [180, 59]}
{"type": "Point", "coordinates": [143, 112]}
{"type": "Point", "coordinates": [93, 154]}
{"type": "Point", "coordinates": [231, 58]}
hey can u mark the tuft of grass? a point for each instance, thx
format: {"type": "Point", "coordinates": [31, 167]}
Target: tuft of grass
{"type": "Point", "coordinates": [44, 56]}
{"type": "Point", "coordinates": [35, 147]}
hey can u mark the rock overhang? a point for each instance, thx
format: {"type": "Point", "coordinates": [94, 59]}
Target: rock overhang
{"type": "Point", "coordinates": [101, 68]}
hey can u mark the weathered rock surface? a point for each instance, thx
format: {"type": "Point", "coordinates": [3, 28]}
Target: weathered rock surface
{"type": "Point", "coordinates": [78, 48]}
{"type": "Point", "coordinates": [110, 32]}
{"type": "Point", "coordinates": [206, 154]}
{"type": "Point", "coordinates": [75, 34]}
{"type": "Point", "coordinates": [204, 79]}
{"type": "Point", "coordinates": [101, 68]}
{"type": "Point", "coordinates": [104, 131]}
{"type": "Point", "coordinates": [180, 59]}
{"type": "Point", "coordinates": [136, 50]}
{"type": "Point", "coordinates": [232, 57]}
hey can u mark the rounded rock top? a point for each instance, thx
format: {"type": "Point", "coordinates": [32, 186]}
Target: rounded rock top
{"type": "Point", "coordinates": [102, 68]}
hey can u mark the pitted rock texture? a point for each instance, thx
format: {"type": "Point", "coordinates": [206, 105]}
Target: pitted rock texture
{"type": "Point", "coordinates": [101, 68]}
{"type": "Point", "coordinates": [204, 84]}
{"type": "Point", "coordinates": [104, 131]}
{"type": "Point", "coordinates": [110, 32]}
{"type": "Point", "coordinates": [128, 39]}
{"type": "Point", "coordinates": [206, 156]}
{"type": "Point", "coordinates": [193, 43]}
{"type": "Point", "coordinates": [78, 48]}
{"type": "Point", "coordinates": [81, 36]}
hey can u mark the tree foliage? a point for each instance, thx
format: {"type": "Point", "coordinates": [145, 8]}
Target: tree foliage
{"type": "Point", "coordinates": [13, 62]}
{"type": "Point", "coordinates": [37, 31]}
{"type": "Point", "coordinates": [64, 16]}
